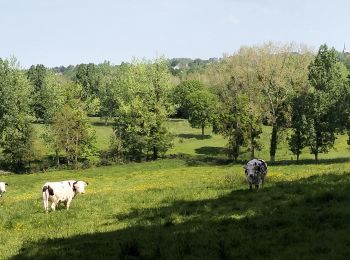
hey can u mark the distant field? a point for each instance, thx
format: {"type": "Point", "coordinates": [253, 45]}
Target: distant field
{"type": "Point", "coordinates": [189, 208]}
{"type": "Point", "coordinates": [188, 141]}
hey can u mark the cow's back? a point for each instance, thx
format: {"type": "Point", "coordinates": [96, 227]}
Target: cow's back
{"type": "Point", "coordinates": [61, 190]}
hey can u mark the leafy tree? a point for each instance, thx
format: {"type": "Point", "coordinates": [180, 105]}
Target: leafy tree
{"type": "Point", "coordinates": [300, 124]}
{"type": "Point", "coordinates": [52, 95]}
{"type": "Point", "coordinates": [143, 98]}
{"type": "Point", "coordinates": [16, 133]}
{"type": "Point", "coordinates": [281, 71]}
{"type": "Point", "coordinates": [241, 113]}
{"type": "Point", "coordinates": [201, 107]}
{"type": "Point", "coordinates": [36, 74]}
{"type": "Point", "coordinates": [181, 94]}
{"type": "Point", "coordinates": [70, 133]}
{"type": "Point", "coordinates": [328, 78]}
{"type": "Point", "coordinates": [89, 77]}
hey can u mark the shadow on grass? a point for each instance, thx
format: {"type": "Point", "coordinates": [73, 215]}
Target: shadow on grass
{"type": "Point", "coordinates": [309, 218]}
{"type": "Point", "coordinates": [311, 161]}
{"type": "Point", "coordinates": [211, 150]}
{"type": "Point", "coordinates": [102, 123]}
{"type": "Point", "coordinates": [177, 120]}
{"type": "Point", "coordinates": [195, 136]}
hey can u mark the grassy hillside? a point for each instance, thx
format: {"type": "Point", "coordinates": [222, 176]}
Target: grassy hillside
{"type": "Point", "coordinates": [171, 210]}
{"type": "Point", "coordinates": [189, 208]}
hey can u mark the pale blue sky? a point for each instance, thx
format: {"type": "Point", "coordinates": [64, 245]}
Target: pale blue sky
{"type": "Point", "coordinates": [63, 32]}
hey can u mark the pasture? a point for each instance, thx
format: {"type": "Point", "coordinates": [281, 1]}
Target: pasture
{"type": "Point", "coordinates": [196, 206]}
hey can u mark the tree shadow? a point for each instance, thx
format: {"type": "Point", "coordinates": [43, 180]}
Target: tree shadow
{"type": "Point", "coordinates": [308, 218]}
{"type": "Point", "coordinates": [195, 136]}
{"type": "Point", "coordinates": [177, 120]}
{"type": "Point", "coordinates": [211, 150]}
{"type": "Point", "coordinates": [102, 123]}
{"type": "Point", "coordinates": [310, 161]}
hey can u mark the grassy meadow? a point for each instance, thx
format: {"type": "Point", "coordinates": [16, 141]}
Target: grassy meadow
{"type": "Point", "coordinates": [195, 206]}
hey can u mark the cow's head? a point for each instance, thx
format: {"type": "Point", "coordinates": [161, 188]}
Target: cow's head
{"type": "Point", "coordinates": [251, 168]}
{"type": "Point", "coordinates": [3, 187]}
{"type": "Point", "coordinates": [79, 186]}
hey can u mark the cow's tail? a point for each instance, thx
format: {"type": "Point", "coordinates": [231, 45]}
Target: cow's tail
{"type": "Point", "coordinates": [46, 198]}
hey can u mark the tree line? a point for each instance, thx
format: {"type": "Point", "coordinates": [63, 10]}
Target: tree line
{"type": "Point", "coordinates": [288, 87]}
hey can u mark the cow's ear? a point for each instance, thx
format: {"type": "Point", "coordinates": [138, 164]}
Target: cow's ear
{"type": "Point", "coordinates": [6, 184]}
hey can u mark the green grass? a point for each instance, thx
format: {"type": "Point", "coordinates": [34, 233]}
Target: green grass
{"type": "Point", "coordinates": [189, 208]}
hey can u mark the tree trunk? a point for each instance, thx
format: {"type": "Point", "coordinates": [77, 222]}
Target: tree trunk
{"type": "Point", "coordinates": [298, 157]}
{"type": "Point", "coordinates": [252, 152]}
{"type": "Point", "coordinates": [273, 144]}
{"type": "Point", "coordinates": [57, 158]}
{"type": "Point", "coordinates": [318, 137]}
{"type": "Point", "coordinates": [155, 153]}
{"type": "Point", "coordinates": [252, 148]}
{"type": "Point", "coordinates": [202, 131]}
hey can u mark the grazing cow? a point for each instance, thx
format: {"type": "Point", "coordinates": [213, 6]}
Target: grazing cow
{"type": "Point", "coordinates": [255, 171]}
{"type": "Point", "coordinates": [63, 191]}
{"type": "Point", "coordinates": [2, 188]}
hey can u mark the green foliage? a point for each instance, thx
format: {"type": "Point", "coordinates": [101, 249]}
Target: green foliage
{"type": "Point", "coordinates": [89, 77]}
{"type": "Point", "coordinates": [181, 95]}
{"type": "Point", "coordinates": [16, 133]}
{"type": "Point", "coordinates": [242, 109]}
{"type": "Point", "coordinates": [143, 108]}
{"type": "Point", "coordinates": [327, 77]}
{"type": "Point", "coordinates": [201, 109]}
{"type": "Point", "coordinates": [299, 124]}
{"type": "Point", "coordinates": [52, 96]}
{"type": "Point", "coordinates": [36, 75]}
{"type": "Point", "coordinates": [70, 133]}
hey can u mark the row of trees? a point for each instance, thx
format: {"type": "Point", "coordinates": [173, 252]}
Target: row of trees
{"type": "Point", "coordinates": [286, 87]}
{"type": "Point", "coordinates": [283, 86]}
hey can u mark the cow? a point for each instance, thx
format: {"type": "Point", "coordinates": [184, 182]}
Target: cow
{"type": "Point", "coordinates": [255, 172]}
{"type": "Point", "coordinates": [3, 187]}
{"type": "Point", "coordinates": [64, 191]}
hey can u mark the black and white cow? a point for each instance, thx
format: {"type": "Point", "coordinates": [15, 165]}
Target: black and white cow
{"type": "Point", "coordinates": [255, 171]}
{"type": "Point", "coordinates": [2, 188]}
{"type": "Point", "coordinates": [63, 191]}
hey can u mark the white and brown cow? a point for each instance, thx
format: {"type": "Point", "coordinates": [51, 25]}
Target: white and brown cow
{"type": "Point", "coordinates": [64, 191]}
{"type": "Point", "coordinates": [255, 172]}
{"type": "Point", "coordinates": [3, 187]}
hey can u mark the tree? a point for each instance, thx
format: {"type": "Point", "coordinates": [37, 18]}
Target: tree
{"type": "Point", "coordinates": [300, 124]}
{"type": "Point", "coordinates": [16, 133]}
{"type": "Point", "coordinates": [70, 133]}
{"type": "Point", "coordinates": [201, 107]}
{"type": "Point", "coordinates": [52, 96]}
{"type": "Point", "coordinates": [89, 77]}
{"type": "Point", "coordinates": [36, 74]}
{"type": "Point", "coordinates": [143, 98]}
{"type": "Point", "coordinates": [281, 71]}
{"type": "Point", "coordinates": [242, 104]}
{"type": "Point", "coordinates": [181, 94]}
{"type": "Point", "coordinates": [328, 78]}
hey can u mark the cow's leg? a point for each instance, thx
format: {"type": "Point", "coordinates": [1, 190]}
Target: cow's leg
{"type": "Point", "coordinates": [68, 203]}
{"type": "Point", "coordinates": [53, 205]}
{"type": "Point", "coordinates": [250, 186]}
{"type": "Point", "coordinates": [257, 186]}
{"type": "Point", "coordinates": [46, 202]}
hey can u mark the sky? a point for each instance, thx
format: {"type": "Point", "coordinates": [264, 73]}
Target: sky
{"type": "Point", "coordinates": [63, 32]}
